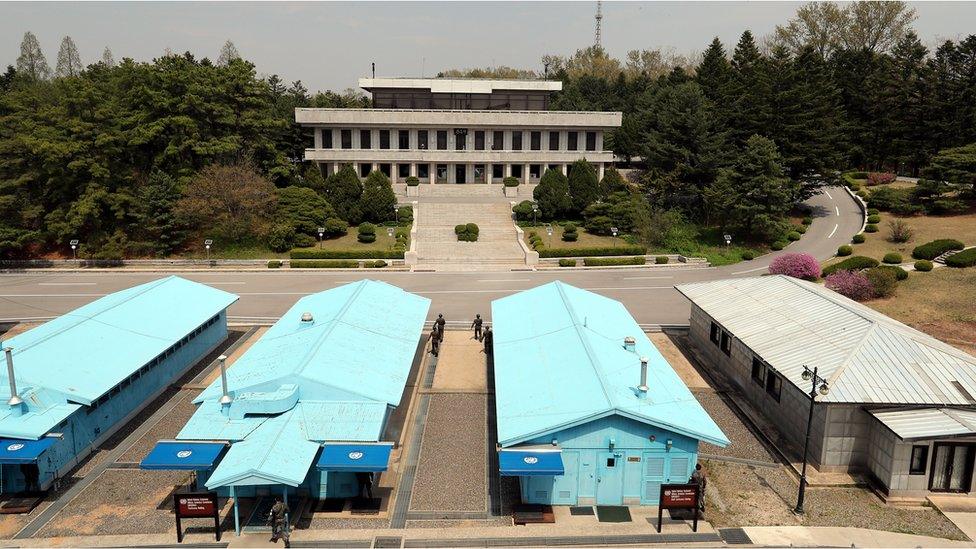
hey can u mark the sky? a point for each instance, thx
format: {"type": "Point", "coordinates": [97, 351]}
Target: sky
{"type": "Point", "coordinates": [328, 45]}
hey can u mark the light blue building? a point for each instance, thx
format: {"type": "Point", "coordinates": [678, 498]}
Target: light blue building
{"type": "Point", "coordinates": [588, 411]}
{"type": "Point", "coordinates": [81, 376]}
{"type": "Point", "coordinates": [307, 405]}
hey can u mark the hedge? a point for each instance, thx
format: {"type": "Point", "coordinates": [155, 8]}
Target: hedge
{"type": "Point", "coordinates": [748, 255]}
{"type": "Point", "coordinates": [346, 254]}
{"type": "Point", "coordinates": [609, 261]}
{"type": "Point", "coordinates": [601, 251]}
{"type": "Point", "coordinates": [845, 250]}
{"type": "Point", "coordinates": [900, 274]}
{"type": "Point", "coordinates": [874, 211]}
{"type": "Point", "coordinates": [377, 264]}
{"type": "Point", "coordinates": [807, 220]}
{"type": "Point", "coordinates": [853, 263]}
{"type": "Point", "coordinates": [932, 250]}
{"type": "Point", "coordinates": [274, 264]}
{"type": "Point", "coordinates": [858, 238]}
{"type": "Point", "coordinates": [793, 236]}
{"type": "Point", "coordinates": [510, 181]}
{"type": "Point", "coordinates": [661, 260]}
{"type": "Point", "coordinates": [923, 265]}
{"type": "Point", "coordinates": [413, 181]}
{"type": "Point", "coordinates": [965, 258]}
{"type": "Point", "coordinates": [316, 264]}
{"type": "Point", "coordinates": [870, 228]}
{"type": "Point", "coordinates": [567, 262]}
{"type": "Point", "coordinates": [892, 258]}
{"type": "Point", "coordinates": [778, 245]}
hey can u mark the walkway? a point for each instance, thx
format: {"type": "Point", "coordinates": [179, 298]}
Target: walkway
{"type": "Point", "coordinates": [497, 244]}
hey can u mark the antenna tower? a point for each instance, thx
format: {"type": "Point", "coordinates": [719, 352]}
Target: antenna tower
{"type": "Point", "coordinates": [599, 19]}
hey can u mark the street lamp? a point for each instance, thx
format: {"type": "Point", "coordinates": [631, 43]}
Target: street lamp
{"type": "Point", "coordinates": [389, 233]}
{"type": "Point", "coordinates": [823, 389]}
{"type": "Point", "coordinates": [74, 248]}
{"type": "Point", "coordinates": [549, 232]}
{"type": "Point", "coordinates": [535, 208]}
{"type": "Point", "coordinates": [728, 240]}
{"type": "Point", "coordinates": [206, 244]}
{"type": "Point", "coordinates": [613, 230]}
{"type": "Point", "coordinates": [396, 214]}
{"type": "Point", "coordinates": [321, 234]}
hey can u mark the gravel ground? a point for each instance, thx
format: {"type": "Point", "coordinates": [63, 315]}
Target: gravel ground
{"type": "Point", "coordinates": [167, 427]}
{"type": "Point", "coordinates": [491, 523]}
{"type": "Point", "coordinates": [120, 501]}
{"type": "Point", "coordinates": [451, 474]}
{"type": "Point", "coordinates": [742, 495]}
{"type": "Point", "coordinates": [744, 444]}
{"type": "Point", "coordinates": [331, 523]}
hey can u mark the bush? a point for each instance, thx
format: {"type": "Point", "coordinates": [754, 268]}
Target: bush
{"type": "Point", "coordinates": [870, 228]}
{"type": "Point", "coordinates": [413, 181]}
{"type": "Point", "coordinates": [875, 179]}
{"type": "Point", "coordinates": [932, 250]}
{"type": "Point", "coordinates": [899, 231]}
{"type": "Point", "coordinates": [570, 237]}
{"type": "Point", "coordinates": [873, 211]}
{"type": "Point", "coordinates": [569, 227]}
{"type": "Point", "coordinates": [853, 263]}
{"type": "Point", "coordinates": [807, 220]}
{"type": "Point", "coordinates": [748, 255]}
{"type": "Point", "coordinates": [346, 254]}
{"type": "Point", "coordinates": [803, 266]}
{"type": "Point", "coordinates": [849, 284]}
{"type": "Point", "coordinates": [858, 175]}
{"type": "Point", "coordinates": [320, 264]}
{"type": "Point", "coordinates": [281, 238]}
{"type": "Point", "coordinates": [892, 258]}
{"type": "Point", "coordinates": [405, 215]}
{"type": "Point", "coordinates": [567, 262]}
{"type": "Point", "coordinates": [802, 229]}
{"type": "Point", "coordinates": [882, 281]}
{"type": "Point", "coordinates": [510, 181]}
{"type": "Point", "coordinates": [366, 238]}
{"type": "Point", "coordinates": [552, 195]}
{"type": "Point", "coordinates": [965, 258]}
{"type": "Point", "coordinates": [845, 250]}
{"type": "Point", "coordinates": [584, 252]}
{"type": "Point", "coordinates": [874, 219]}
{"type": "Point", "coordinates": [303, 241]}
{"type": "Point", "coordinates": [334, 228]}
{"type": "Point", "coordinates": [600, 225]}
{"type": "Point", "coordinates": [467, 232]}
{"type": "Point", "coordinates": [378, 264]}
{"type": "Point", "coordinates": [889, 199]}
{"type": "Point", "coordinates": [858, 238]}
{"type": "Point", "coordinates": [862, 194]}
{"type": "Point", "coordinates": [900, 274]}
{"type": "Point", "coordinates": [778, 245]}
{"type": "Point", "coordinates": [923, 265]}
{"type": "Point", "coordinates": [611, 261]}
{"type": "Point", "coordinates": [661, 260]}
{"type": "Point", "coordinates": [523, 210]}
{"type": "Point", "coordinates": [378, 200]}
{"type": "Point", "coordinates": [793, 236]}
{"type": "Point", "coordinates": [367, 233]}
{"type": "Point", "coordinates": [274, 264]}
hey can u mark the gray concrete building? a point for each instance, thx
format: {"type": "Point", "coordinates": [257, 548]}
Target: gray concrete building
{"type": "Point", "coordinates": [900, 408]}
{"type": "Point", "coordinates": [457, 131]}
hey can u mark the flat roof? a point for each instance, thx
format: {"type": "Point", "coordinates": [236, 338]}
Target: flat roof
{"type": "Point", "coordinates": [560, 361]}
{"type": "Point", "coordinates": [460, 85]}
{"type": "Point", "coordinates": [922, 423]}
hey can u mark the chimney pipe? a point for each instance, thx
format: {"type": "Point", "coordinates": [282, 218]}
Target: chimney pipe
{"type": "Point", "coordinates": [642, 388]}
{"type": "Point", "coordinates": [226, 398]}
{"type": "Point", "coordinates": [15, 399]}
{"type": "Point", "coordinates": [630, 343]}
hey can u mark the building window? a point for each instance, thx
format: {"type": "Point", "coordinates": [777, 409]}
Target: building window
{"type": "Point", "coordinates": [479, 140]}
{"type": "Point", "coordinates": [726, 343]}
{"type": "Point", "coordinates": [758, 371]}
{"type": "Point", "coordinates": [384, 139]}
{"type": "Point", "coordinates": [572, 141]}
{"type": "Point", "coordinates": [517, 171]}
{"type": "Point", "coordinates": [497, 171]}
{"type": "Point", "coordinates": [479, 173]}
{"type": "Point", "coordinates": [713, 334]}
{"type": "Point", "coordinates": [422, 139]}
{"type": "Point", "coordinates": [442, 173]}
{"type": "Point", "coordinates": [460, 139]}
{"type": "Point", "coordinates": [365, 139]}
{"type": "Point", "coordinates": [403, 139]}
{"type": "Point", "coordinates": [364, 169]}
{"type": "Point", "coordinates": [516, 141]}
{"type": "Point", "coordinates": [553, 141]}
{"type": "Point", "coordinates": [403, 170]}
{"type": "Point", "coordinates": [423, 171]}
{"type": "Point", "coordinates": [326, 138]}
{"type": "Point", "coordinates": [591, 141]}
{"type": "Point", "coordinates": [442, 140]}
{"type": "Point", "coordinates": [385, 169]}
{"type": "Point", "coordinates": [535, 141]}
{"type": "Point", "coordinates": [497, 140]}
{"type": "Point", "coordinates": [920, 458]}
{"type": "Point", "coordinates": [345, 136]}
{"type": "Point", "coordinates": [774, 384]}
{"type": "Point", "coordinates": [535, 171]}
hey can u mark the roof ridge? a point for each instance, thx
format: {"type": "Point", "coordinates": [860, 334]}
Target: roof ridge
{"type": "Point", "coordinates": [586, 344]}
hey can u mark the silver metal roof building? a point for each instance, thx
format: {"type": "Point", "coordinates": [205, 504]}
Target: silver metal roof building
{"type": "Point", "coordinates": [924, 423]}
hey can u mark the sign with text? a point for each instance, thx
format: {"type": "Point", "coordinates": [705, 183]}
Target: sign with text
{"type": "Point", "coordinates": [196, 505]}
{"type": "Point", "coordinates": [678, 496]}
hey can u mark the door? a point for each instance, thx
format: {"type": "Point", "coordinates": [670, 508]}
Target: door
{"type": "Point", "coordinates": [610, 479]}
{"type": "Point", "coordinates": [952, 467]}
{"type": "Point", "coordinates": [461, 171]}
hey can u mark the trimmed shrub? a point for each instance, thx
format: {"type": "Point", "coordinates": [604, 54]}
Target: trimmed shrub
{"type": "Point", "coordinates": [346, 254]}
{"type": "Point", "coordinates": [932, 250]}
{"type": "Point", "coordinates": [802, 229]}
{"type": "Point", "coordinates": [274, 264]}
{"type": "Point", "coordinates": [876, 178]}
{"type": "Point", "coordinates": [570, 237]}
{"type": "Point", "coordinates": [510, 181]}
{"type": "Point", "coordinates": [304, 241]}
{"type": "Point", "coordinates": [569, 227]}
{"type": "Point", "coordinates": [853, 263]}
{"type": "Point", "coordinates": [467, 232]}
{"type": "Point", "coordinates": [793, 236]}
{"type": "Point", "coordinates": [870, 228]}
{"type": "Point", "coordinates": [883, 281]}
{"type": "Point", "coordinates": [323, 264]}
{"type": "Point", "coordinates": [900, 274]}
{"type": "Point", "coordinates": [523, 210]}
{"type": "Point", "coordinates": [858, 238]}
{"type": "Point", "coordinates": [600, 224]}
{"type": "Point", "coordinates": [874, 219]}
{"type": "Point", "coordinates": [567, 262]}
{"type": "Point", "coordinates": [965, 258]}
{"type": "Point", "coordinates": [334, 228]}
{"type": "Point", "coordinates": [858, 175]}
{"type": "Point", "coordinates": [405, 215]}
{"type": "Point", "coordinates": [611, 261]}
{"type": "Point", "coordinates": [873, 211]}
{"type": "Point", "coordinates": [923, 265]}
{"type": "Point", "coordinates": [281, 238]}
{"type": "Point", "coordinates": [803, 266]}
{"type": "Point", "coordinates": [413, 181]}
{"type": "Point", "coordinates": [661, 260]}
{"type": "Point", "coordinates": [778, 245]}
{"type": "Point", "coordinates": [863, 194]}
{"type": "Point", "coordinates": [892, 258]}
{"type": "Point", "coordinates": [748, 255]}
{"type": "Point", "coordinates": [845, 250]}
{"type": "Point", "coordinates": [378, 264]}
{"type": "Point", "coordinates": [366, 238]}
{"type": "Point", "coordinates": [849, 284]}
{"type": "Point", "coordinates": [584, 252]}
{"type": "Point", "coordinates": [807, 220]}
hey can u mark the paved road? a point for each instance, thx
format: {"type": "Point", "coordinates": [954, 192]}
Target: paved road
{"type": "Point", "coordinates": [648, 294]}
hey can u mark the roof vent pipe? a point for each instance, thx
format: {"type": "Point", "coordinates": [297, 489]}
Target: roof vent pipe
{"type": "Point", "coordinates": [15, 399]}
{"type": "Point", "coordinates": [307, 317]}
{"type": "Point", "coordinates": [630, 343]}
{"type": "Point", "coordinates": [226, 399]}
{"type": "Point", "coordinates": [642, 388]}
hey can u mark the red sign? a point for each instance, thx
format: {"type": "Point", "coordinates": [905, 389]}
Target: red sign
{"type": "Point", "coordinates": [196, 505]}
{"type": "Point", "coordinates": [680, 498]}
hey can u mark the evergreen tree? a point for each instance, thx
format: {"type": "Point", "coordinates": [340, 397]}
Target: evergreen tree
{"type": "Point", "coordinates": [69, 62]}
{"type": "Point", "coordinates": [552, 195]}
{"type": "Point", "coordinates": [107, 58]}
{"type": "Point", "coordinates": [713, 73]}
{"type": "Point", "coordinates": [313, 179]}
{"type": "Point", "coordinates": [748, 92]}
{"type": "Point", "coordinates": [158, 223]}
{"type": "Point", "coordinates": [32, 61]}
{"type": "Point", "coordinates": [302, 209]}
{"type": "Point", "coordinates": [905, 98]}
{"type": "Point", "coordinates": [378, 200]}
{"type": "Point", "coordinates": [343, 190]}
{"type": "Point", "coordinates": [763, 195]}
{"type": "Point", "coordinates": [584, 188]}
{"type": "Point", "coordinates": [612, 182]}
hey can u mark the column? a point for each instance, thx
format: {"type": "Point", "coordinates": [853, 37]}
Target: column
{"type": "Point", "coordinates": [451, 169]}
{"type": "Point", "coordinates": [599, 140]}
{"type": "Point", "coordinates": [600, 174]}
{"type": "Point", "coordinates": [237, 517]}
{"type": "Point", "coordinates": [508, 170]}
{"type": "Point", "coordinates": [431, 173]}
{"type": "Point", "coordinates": [376, 166]}
{"type": "Point", "coordinates": [336, 138]}
{"type": "Point", "coordinates": [355, 138]}
{"type": "Point", "coordinates": [563, 168]}
{"type": "Point", "coordinates": [413, 169]}
{"type": "Point", "coordinates": [335, 167]}
{"type": "Point", "coordinates": [564, 140]}
{"type": "Point", "coordinates": [317, 138]}
{"type": "Point", "coordinates": [525, 174]}
{"type": "Point", "coordinates": [489, 169]}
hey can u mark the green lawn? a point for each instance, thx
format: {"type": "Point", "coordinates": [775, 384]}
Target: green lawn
{"type": "Point", "coordinates": [347, 242]}
{"type": "Point", "coordinates": [585, 240]}
{"type": "Point", "coordinates": [350, 242]}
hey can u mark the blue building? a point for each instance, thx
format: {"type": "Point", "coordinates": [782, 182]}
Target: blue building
{"type": "Point", "coordinates": [307, 405]}
{"type": "Point", "coordinates": [81, 376]}
{"type": "Point", "coordinates": [588, 410]}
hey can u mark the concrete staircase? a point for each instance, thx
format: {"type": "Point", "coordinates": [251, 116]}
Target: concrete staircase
{"type": "Point", "coordinates": [470, 190]}
{"type": "Point", "coordinates": [438, 247]}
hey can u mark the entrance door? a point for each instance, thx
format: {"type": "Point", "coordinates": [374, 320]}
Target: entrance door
{"type": "Point", "coordinates": [952, 467]}
{"type": "Point", "coordinates": [610, 479]}
{"type": "Point", "coordinates": [460, 172]}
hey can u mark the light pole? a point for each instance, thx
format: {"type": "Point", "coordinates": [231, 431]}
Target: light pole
{"type": "Point", "coordinates": [535, 208]}
{"type": "Point", "coordinates": [74, 249]}
{"type": "Point", "coordinates": [396, 214]}
{"type": "Point", "coordinates": [321, 234]}
{"type": "Point", "coordinates": [728, 240]}
{"type": "Point", "coordinates": [614, 231]}
{"type": "Point", "coordinates": [549, 232]}
{"type": "Point", "coordinates": [389, 233]}
{"type": "Point", "coordinates": [206, 244]}
{"type": "Point", "coordinates": [823, 389]}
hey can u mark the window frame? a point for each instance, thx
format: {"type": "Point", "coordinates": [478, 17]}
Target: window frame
{"type": "Point", "coordinates": [758, 373]}
{"type": "Point", "coordinates": [553, 140]}
{"type": "Point", "coordinates": [384, 139]}
{"type": "Point", "coordinates": [345, 139]}
{"type": "Point", "coordinates": [327, 138]}
{"type": "Point", "coordinates": [365, 139]}
{"type": "Point", "coordinates": [924, 448]}
{"type": "Point", "coordinates": [401, 143]}
{"type": "Point", "coordinates": [726, 343]}
{"type": "Point", "coordinates": [714, 333]}
{"type": "Point", "coordinates": [572, 141]}
{"type": "Point", "coordinates": [774, 384]}
{"type": "Point", "coordinates": [590, 145]}
{"type": "Point", "coordinates": [441, 140]}
{"type": "Point", "coordinates": [516, 140]}
{"type": "Point", "coordinates": [535, 141]}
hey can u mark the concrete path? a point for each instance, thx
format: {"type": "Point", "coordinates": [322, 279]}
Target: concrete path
{"type": "Point", "coordinates": [497, 243]}
{"type": "Point", "coordinates": [961, 510]}
{"type": "Point", "coordinates": [803, 536]}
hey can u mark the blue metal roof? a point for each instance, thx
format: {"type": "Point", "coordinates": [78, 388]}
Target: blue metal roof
{"type": "Point", "coordinates": [23, 451]}
{"type": "Point", "coordinates": [178, 455]}
{"type": "Point", "coordinates": [365, 458]}
{"type": "Point", "coordinates": [524, 462]}
{"type": "Point", "coordinates": [560, 361]}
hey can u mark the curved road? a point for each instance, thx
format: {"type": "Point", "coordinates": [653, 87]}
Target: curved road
{"type": "Point", "coordinates": [265, 295]}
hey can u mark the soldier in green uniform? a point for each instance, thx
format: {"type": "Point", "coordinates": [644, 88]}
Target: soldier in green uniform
{"type": "Point", "coordinates": [435, 342]}
{"type": "Point", "coordinates": [278, 517]}
{"type": "Point", "coordinates": [439, 324]}
{"type": "Point", "coordinates": [477, 326]}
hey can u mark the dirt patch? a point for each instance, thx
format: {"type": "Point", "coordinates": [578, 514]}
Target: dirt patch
{"type": "Point", "coordinates": [165, 429]}
{"type": "Point", "coordinates": [669, 346]}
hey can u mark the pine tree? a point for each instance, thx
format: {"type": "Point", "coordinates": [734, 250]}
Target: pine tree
{"type": "Point", "coordinates": [748, 92]}
{"type": "Point", "coordinates": [107, 58]}
{"type": "Point", "coordinates": [763, 195]}
{"type": "Point", "coordinates": [343, 191]}
{"type": "Point", "coordinates": [227, 54]}
{"type": "Point", "coordinates": [31, 61]}
{"type": "Point", "coordinates": [69, 62]}
{"type": "Point", "coordinates": [378, 200]}
{"type": "Point", "coordinates": [906, 95]}
{"type": "Point", "coordinates": [552, 195]}
{"type": "Point", "coordinates": [714, 72]}
{"type": "Point", "coordinates": [584, 188]}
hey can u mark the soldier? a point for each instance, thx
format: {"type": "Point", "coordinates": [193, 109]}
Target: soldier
{"type": "Point", "coordinates": [698, 477]}
{"type": "Point", "coordinates": [365, 482]}
{"type": "Point", "coordinates": [439, 324]}
{"type": "Point", "coordinates": [477, 327]}
{"type": "Point", "coordinates": [488, 337]}
{"type": "Point", "coordinates": [278, 517]}
{"type": "Point", "coordinates": [435, 342]}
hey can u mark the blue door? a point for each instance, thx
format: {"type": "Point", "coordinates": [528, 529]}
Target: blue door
{"type": "Point", "coordinates": [610, 479]}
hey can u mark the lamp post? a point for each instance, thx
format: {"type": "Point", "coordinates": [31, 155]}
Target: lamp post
{"type": "Point", "coordinates": [321, 234]}
{"type": "Point", "coordinates": [389, 233]}
{"type": "Point", "coordinates": [613, 230]}
{"type": "Point", "coordinates": [549, 232]}
{"type": "Point", "coordinates": [396, 214]}
{"type": "Point", "coordinates": [535, 208]}
{"type": "Point", "coordinates": [823, 389]}
{"type": "Point", "coordinates": [728, 240]}
{"type": "Point", "coordinates": [74, 249]}
{"type": "Point", "coordinates": [206, 244]}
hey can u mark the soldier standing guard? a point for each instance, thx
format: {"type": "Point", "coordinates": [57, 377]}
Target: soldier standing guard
{"type": "Point", "coordinates": [477, 327]}
{"type": "Point", "coordinates": [698, 477]}
{"type": "Point", "coordinates": [279, 524]}
{"type": "Point", "coordinates": [439, 324]}
{"type": "Point", "coordinates": [488, 338]}
{"type": "Point", "coordinates": [435, 342]}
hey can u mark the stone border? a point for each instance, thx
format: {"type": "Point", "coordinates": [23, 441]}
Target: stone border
{"type": "Point", "coordinates": [861, 204]}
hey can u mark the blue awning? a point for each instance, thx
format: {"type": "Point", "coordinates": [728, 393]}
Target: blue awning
{"type": "Point", "coordinates": [13, 450]}
{"type": "Point", "coordinates": [530, 462]}
{"type": "Point", "coordinates": [360, 458]}
{"type": "Point", "coordinates": [169, 455]}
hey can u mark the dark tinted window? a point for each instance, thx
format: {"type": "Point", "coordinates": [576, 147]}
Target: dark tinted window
{"type": "Point", "coordinates": [403, 139]}
{"type": "Point", "coordinates": [516, 141]}
{"type": "Point", "coordinates": [774, 384]}
{"type": "Point", "coordinates": [726, 343]}
{"type": "Point", "coordinates": [591, 141]}
{"type": "Point", "coordinates": [346, 137]}
{"type": "Point", "coordinates": [572, 141]}
{"type": "Point", "coordinates": [758, 371]}
{"type": "Point", "coordinates": [422, 139]}
{"type": "Point", "coordinates": [326, 138]}
{"type": "Point", "coordinates": [460, 139]}
{"type": "Point", "coordinates": [441, 140]}
{"type": "Point", "coordinates": [535, 141]}
{"type": "Point", "coordinates": [920, 458]}
{"type": "Point", "coordinates": [365, 139]}
{"type": "Point", "coordinates": [498, 140]}
{"type": "Point", "coordinates": [553, 141]}
{"type": "Point", "coordinates": [479, 140]}
{"type": "Point", "coordinates": [713, 333]}
{"type": "Point", "coordinates": [384, 139]}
